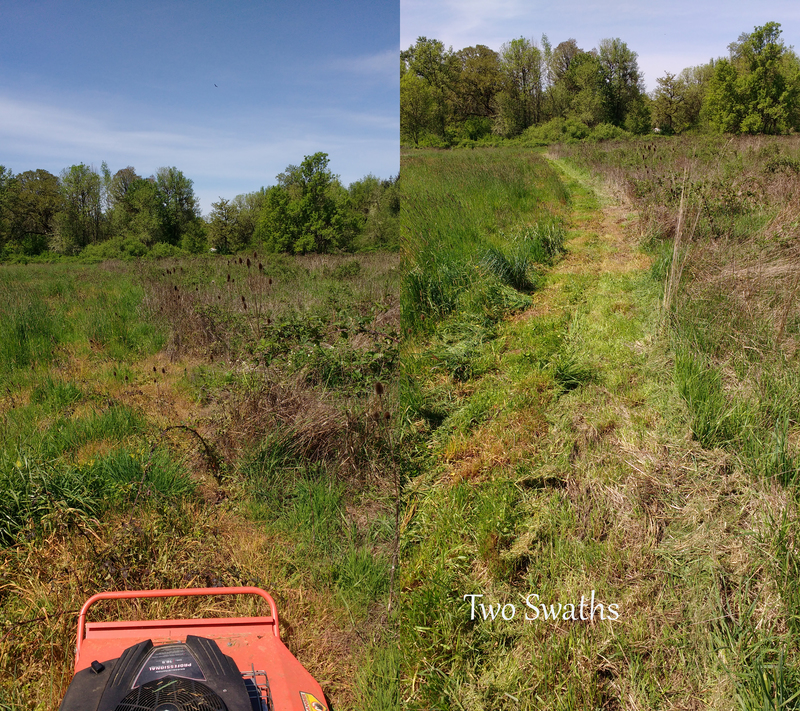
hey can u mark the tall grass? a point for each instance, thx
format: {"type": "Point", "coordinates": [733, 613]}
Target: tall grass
{"type": "Point", "coordinates": [47, 311]}
{"type": "Point", "coordinates": [40, 497]}
{"type": "Point", "coordinates": [472, 220]}
{"type": "Point", "coordinates": [112, 375]}
{"type": "Point", "coordinates": [729, 208]}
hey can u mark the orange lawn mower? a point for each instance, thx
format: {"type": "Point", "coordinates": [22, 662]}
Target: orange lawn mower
{"type": "Point", "coordinates": [206, 664]}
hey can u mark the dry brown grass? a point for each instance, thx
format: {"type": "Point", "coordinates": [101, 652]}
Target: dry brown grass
{"type": "Point", "coordinates": [61, 575]}
{"type": "Point", "coordinates": [205, 383]}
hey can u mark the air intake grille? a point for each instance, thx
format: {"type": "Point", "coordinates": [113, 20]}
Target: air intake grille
{"type": "Point", "coordinates": [172, 694]}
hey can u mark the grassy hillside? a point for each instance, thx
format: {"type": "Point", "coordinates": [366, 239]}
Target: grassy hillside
{"type": "Point", "coordinates": [589, 441]}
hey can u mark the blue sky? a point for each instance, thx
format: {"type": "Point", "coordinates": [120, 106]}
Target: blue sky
{"type": "Point", "coordinates": [133, 83]}
{"type": "Point", "coordinates": [667, 36]}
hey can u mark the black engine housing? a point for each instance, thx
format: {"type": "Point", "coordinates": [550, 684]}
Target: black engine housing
{"type": "Point", "coordinates": [190, 676]}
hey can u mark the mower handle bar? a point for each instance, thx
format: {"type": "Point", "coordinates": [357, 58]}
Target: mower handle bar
{"type": "Point", "coordinates": [186, 592]}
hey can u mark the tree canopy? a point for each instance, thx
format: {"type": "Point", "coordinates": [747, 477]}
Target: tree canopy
{"type": "Point", "coordinates": [756, 90]}
{"type": "Point", "coordinates": [86, 211]}
{"type": "Point", "coordinates": [449, 97]}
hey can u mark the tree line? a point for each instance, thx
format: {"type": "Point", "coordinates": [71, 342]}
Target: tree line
{"type": "Point", "coordinates": [93, 213]}
{"type": "Point", "coordinates": [534, 90]}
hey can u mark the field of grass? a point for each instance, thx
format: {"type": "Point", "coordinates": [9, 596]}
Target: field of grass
{"type": "Point", "coordinates": [722, 216]}
{"type": "Point", "coordinates": [199, 422]}
{"type": "Point", "coordinates": [595, 437]}
{"type": "Point", "coordinates": [569, 412]}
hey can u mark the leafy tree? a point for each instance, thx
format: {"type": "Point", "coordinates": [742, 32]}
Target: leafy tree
{"type": "Point", "coordinates": [756, 90]}
{"type": "Point", "coordinates": [80, 223]}
{"type": "Point", "coordinates": [248, 208]}
{"type": "Point", "coordinates": [638, 118]}
{"type": "Point", "coordinates": [306, 211]}
{"type": "Point", "coordinates": [695, 80]}
{"type": "Point", "coordinates": [723, 105]}
{"type": "Point", "coordinates": [561, 91]}
{"type": "Point", "coordinates": [417, 108]}
{"type": "Point", "coordinates": [194, 239]}
{"type": "Point", "coordinates": [6, 214]}
{"type": "Point", "coordinates": [622, 83]}
{"type": "Point", "coordinates": [161, 208]}
{"type": "Point", "coordinates": [669, 104]}
{"type": "Point", "coordinates": [275, 229]}
{"type": "Point", "coordinates": [561, 59]}
{"type": "Point", "coordinates": [179, 204]}
{"type": "Point", "coordinates": [383, 223]}
{"type": "Point", "coordinates": [120, 184]}
{"type": "Point", "coordinates": [478, 80]}
{"type": "Point", "coordinates": [139, 212]}
{"type": "Point", "coordinates": [438, 68]}
{"type": "Point", "coordinates": [375, 205]}
{"type": "Point", "coordinates": [222, 226]}
{"type": "Point", "coordinates": [520, 102]}
{"type": "Point", "coordinates": [33, 200]}
{"type": "Point", "coordinates": [677, 100]}
{"type": "Point", "coordinates": [584, 81]}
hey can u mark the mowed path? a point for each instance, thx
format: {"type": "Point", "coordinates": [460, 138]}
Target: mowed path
{"type": "Point", "coordinates": [603, 237]}
{"type": "Point", "coordinates": [652, 522]}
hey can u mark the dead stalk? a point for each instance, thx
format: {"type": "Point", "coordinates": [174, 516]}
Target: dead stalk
{"type": "Point", "coordinates": [675, 269]}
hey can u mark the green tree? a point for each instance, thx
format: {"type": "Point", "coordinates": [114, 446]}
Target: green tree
{"type": "Point", "coordinates": [756, 90]}
{"type": "Point", "coordinates": [120, 184]}
{"type": "Point", "coordinates": [80, 222]}
{"type": "Point", "coordinates": [375, 206]}
{"type": "Point", "coordinates": [695, 80]}
{"type": "Point", "coordinates": [561, 91]}
{"type": "Point", "coordinates": [585, 83]}
{"type": "Point", "coordinates": [669, 104]}
{"type": "Point", "coordinates": [248, 208]}
{"type": "Point", "coordinates": [438, 68]}
{"type": "Point", "coordinates": [520, 102]}
{"type": "Point", "coordinates": [723, 106]}
{"type": "Point", "coordinates": [139, 213]}
{"type": "Point", "coordinates": [222, 226]}
{"type": "Point", "coordinates": [417, 108]}
{"type": "Point", "coordinates": [33, 201]}
{"type": "Point", "coordinates": [275, 229]}
{"type": "Point", "coordinates": [622, 83]}
{"type": "Point", "coordinates": [561, 58]}
{"type": "Point", "coordinates": [6, 214]}
{"type": "Point", "coordinates": [677, 100]}
{"type": "Point", "coordinates": [383, 222]}
{"type": "Point", "coordinates": [478, 80]}
{"type": "Point", "coordinates": [179, 209]}
{"type": "Point", "coordinates": [307, 211]}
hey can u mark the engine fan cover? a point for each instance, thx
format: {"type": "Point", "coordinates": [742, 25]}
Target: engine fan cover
{"type": "Point", "coordinates": [185, 676]}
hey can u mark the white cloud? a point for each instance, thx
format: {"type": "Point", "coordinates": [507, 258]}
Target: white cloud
{"type": "Point", "coordinates": [220, 162]}
{"type": "Point", "coordinates": [643, 24]}
{"type": "Point", "coordinates": [380, 64]}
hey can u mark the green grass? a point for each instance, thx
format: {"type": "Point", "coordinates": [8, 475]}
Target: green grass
{"type": "Point", "coordinates": [198, 422]}
{"type": "Point", "coordinates": [43, 496]}
{"type": "Point", "coordinates": [590, 445]}
{"type": "Point", "coordinates": [473, 224]}
{"type": "Point", "coordinates": [47, 311]}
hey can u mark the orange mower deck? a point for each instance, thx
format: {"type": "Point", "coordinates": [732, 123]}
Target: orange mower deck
{"type": "Point", "coordinates": [253, 643]}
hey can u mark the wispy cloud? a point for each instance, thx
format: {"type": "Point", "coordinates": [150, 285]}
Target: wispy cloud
{"type": "Point", "coordinates": [380, 64]}
{"type": "Point", "coordinates": [53, 138]}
